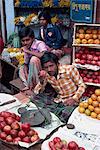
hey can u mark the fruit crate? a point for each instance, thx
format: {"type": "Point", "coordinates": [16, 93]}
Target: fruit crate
{"type": "Point", "coordinates": [86, 35]}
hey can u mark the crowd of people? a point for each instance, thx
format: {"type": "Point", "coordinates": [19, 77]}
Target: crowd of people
{"type": "Point", "coordinates": [43, 75]}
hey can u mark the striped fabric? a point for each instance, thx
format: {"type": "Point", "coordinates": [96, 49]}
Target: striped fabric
{"type": "Point", "coordinates": [68, 83]}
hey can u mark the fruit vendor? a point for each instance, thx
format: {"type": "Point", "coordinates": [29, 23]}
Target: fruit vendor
{"type": "Point", "coordinates": [33, 50]}
{"type": "Point", "coordinates": [65, 80]}
{"type": "Point", "coordinates": [51, 34]}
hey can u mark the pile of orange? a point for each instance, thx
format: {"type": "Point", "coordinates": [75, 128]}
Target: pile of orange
{"type": "Point", "coordinates": [91, 107]}
{"type": "Point", "coordinates": [87, 36]}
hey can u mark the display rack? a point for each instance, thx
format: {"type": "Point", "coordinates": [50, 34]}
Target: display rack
{"type": "Point", "coordinates": [86, 55]}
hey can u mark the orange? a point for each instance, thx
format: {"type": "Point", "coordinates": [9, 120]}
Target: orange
{"type": "Point", "coordinates": [93, 115]}
{"type": "Point", "coordinates": [98, 116]}
{"type": "Point", "coordinates": [85, 104]}
{"type": "Point", "coordinates": [98, 99]}
{"type": "Point", "coordinates": [81, 36]}
{"type": "Point", "coordinates": [77, 41]}
{"type": "Point", "coordinates": [96, 41]}
{"type": "Point", "coordinates": [81, 30]}
{"type": "Point", "coordinates": [97, 92]}
{"type": "Point", "coordinates": [90, 100]}
{"type": "Point", "coordinates": [97, 110]}
{"type": "Point", "coordinates": [87, 112]}
{"type": "Point", "coordinates": [90, 107]}
{"type": "Point", "coordinates": [94, 36]}
{"type": "Point", "coordinates": [95, 103]}
{"type": "Point", "coordinates": [94, 97]}
{"type": "Point", "coordinates": [87, 36]}
{"type": "Point", "coordinates": [81, 104]}
{"type": "Point", "coordinates": [88, 31]}
{"type": "Point", "coordinates": [90, 41]}
{"type": "Point", "coordinates": [81, 109]}
{"type": "Point", "coordinates": [84, 41]}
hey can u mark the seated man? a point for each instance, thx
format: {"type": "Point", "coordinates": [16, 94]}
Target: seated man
{"type": "Point", "coordinates": [33, 50]}
{"type": "Point", "coordinates": [51, 34]}
{"type": "Point", "coordinates": [66, 81]}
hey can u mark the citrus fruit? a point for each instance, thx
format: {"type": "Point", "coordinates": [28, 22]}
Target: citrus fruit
{"type": "Point", "coordinates": [95, 103]}
{"type": "Point", "coordinates": [81, 109]}
{"type": "Point", "coordinates": [90, 101]}
{"type": "Point", "coordinates": [81, 104]}
{"type": "Point", "coordinates": [97, 110]}
{"type": "Point", "coordinates": [98, 116]}
{"type": "Point", "coordinates": [93, 115]}
{"type": "Point", "coordinates": [90, 107]}
{"type": "Point", "coordinates": [98, 99]}
{"type": "Point", "coordinates": [85, 105]}
{"type": "Point", "coordinates": [87, 112]}
{"type": "Point", "coordinates": [97, 92]}
{"type": "Point", "coordinates": [94, 97]}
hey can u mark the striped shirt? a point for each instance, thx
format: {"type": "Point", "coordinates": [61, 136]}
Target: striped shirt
{"type": "Point", "coordinates": [68, 83]}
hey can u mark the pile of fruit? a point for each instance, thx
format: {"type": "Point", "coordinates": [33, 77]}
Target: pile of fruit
{"type": "Point", "coordinates": [91, 107]}
{"type": "Point", "coordinates": [89, 91]}
{"type": "Point", "coordinates": [87, 35]}
{"type": "Point", "coordinates": [59, 144]}
{"type": "Point", "coordinates": [87, 56]}
{"type": "Point", "coordinates": [13, 131]}
{"type": "Point", "coordinates": [90, 76]}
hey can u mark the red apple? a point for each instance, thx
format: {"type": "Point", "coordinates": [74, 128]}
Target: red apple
{"type": "Point", "coordinates": [1, 118]}
{"type": "Point", "coordinates": [78, 55]}
{"type": "Point", "coordinates": [14, 133]}
{"type": "Point", "coordinates": [84, 56]}
{"type": "Point", "coordinates": [56, 140]}
{"type": "Point", "coordinates": [9, 120]}
{"type": "Point", "coordinates": [59, 145]}
{"type": "Point", "coordinates": [18, 118]}
{"type": "Point", "coordinates": [34, 138]}
{"type": "Point", "coordinates": [7, 129]}
{"type": "Point", "coordinates": [95, 58]}
{"type": "Point", "coordinates": [3, 135]}
{"type": "Point", "coordinates": [26, 139]}
{"type": "Point", "coordinates": [2, 125]}
{"type": "Point", "coordinates": [32, 132]}
{"type": "Point", "coordinates": [82, 62]}
{"type": "Point", "coordinates": [15, 125]}
{"type": "Point", "coordinates": [16, 140]}
{"type": "Point", "coordinates": [85, 79]}
{"type": "Point", "coordinates": [96, 73]}
{"type": "Point", "coordinates": [97, 53]}
{"type": "Point", "coordinates": [13, 115]}
{"type": "Point", "coordinates": [9, 138]}
{"type": "Point", "coordinates": [72, 145]}
{"type": "Point", "coordinates": [51, 144]}
{"type": "Point", "coordinates": [21, 134]}
{"type": "Point", "coordinates": [25, 127]}
{"type": "Point", "coordinates": [89, 57]}
{"type": "Point", "coordinates": [5, 114]}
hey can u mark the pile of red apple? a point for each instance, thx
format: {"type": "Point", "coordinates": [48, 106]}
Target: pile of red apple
{"type": "Point", "coordinates": [89, 91]}
{"type": "Point", "coordinates": [90, 76]}
{"type": "Point", "coordinates": [11, 130]}
{"type": "Point", "coordinates": [59, 144]}
{"type": "Point", "coordinates": [87, 56]}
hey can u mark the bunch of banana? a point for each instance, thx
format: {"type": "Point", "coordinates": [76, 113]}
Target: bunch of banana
{"type": "Point", "coordinates": [17, 3]}
{"type": "Point", "coordinates": [48, 3]}
{"type": "Point", "coordinates": [17, 20]}
{"type": "Point", "coordinates": [63, 3]}
{"type": "Point", "coordinates": [29, 18]}
{"type": "Point", "coordinates": [54, 19]}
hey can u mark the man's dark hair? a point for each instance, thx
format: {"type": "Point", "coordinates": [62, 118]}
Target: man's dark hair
{"type": "Point", "coordinates": [46, 15]}
{"type": "Point", "coordinates": [26, 31]}
{"type": "Point", "coordinates": [48, 56]}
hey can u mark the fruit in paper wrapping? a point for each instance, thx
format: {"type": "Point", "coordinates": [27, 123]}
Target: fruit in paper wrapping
{"type": "Point", "coordinates": [81, 30]}
{"type": "Point", "coordinates": [88, 31]}
{"type": "Point", "coordinates": [87, 36]}
{"type": "Point", "coordinates": [96, 41]}
{"type": "Point", "coordinates": [84, 41]}
{"type": "Point", "coordinates": [94, 31]}
{"type": "Point", "coordinates": [77, 41]}
{"type": "Point", "coordinates": [81, 36]}
{"type": "Point", "coordinates": [90, 41]}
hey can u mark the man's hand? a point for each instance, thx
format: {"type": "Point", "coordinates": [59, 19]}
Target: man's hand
{"type": "Point", "coordinates": [42, 76]}
{"type": "Point", "coordinates": [70, 102]}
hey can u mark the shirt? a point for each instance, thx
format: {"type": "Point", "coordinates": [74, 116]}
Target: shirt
{"type": "Point", "coordinates": [68, 83]}
{"type": "Point", "coordinates": [38, 46]}
{"type": "Point", "coordinates": [52, 36]}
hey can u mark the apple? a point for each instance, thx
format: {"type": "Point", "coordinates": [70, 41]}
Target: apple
{"type": "Point", "coordinates": [25, 127]}
{"type": "Point", "coordinates": [2, 124]}
{"type": "Point", "coordinates": [16, 140]}
{"type": "Point", "coordinates": [9, 138]}
{"type": "Point", "coordinates": [26, 139]}
{"type": "Point", "coordinates": [14, 133]}
{"type": "Point", "coordinates": [32, 132]}
{"type": "Point", "coordinates": [78, 55]}
{"type": "Point", "coordinates": [89, 57]}
{"type": "Point", "coordinates": [51, 144]}
{"type": "Point", "coordinates": [96, 73]}
{"type": "Point", "coordinates": [21, 134]}
{"type": "Point", "coordinates": [56, 140]}
{"type": "Point", "coordinates": [9, 120]}
{"type": "Point", "coordinates": [82, 62]}
{"type": "Point", "coordinates": [15, 125]}
{"type": "Point", "coordinates": [97, 53]}
{"type": "Point", "coordinates": [96, 81]}
{"type": "Point", "coordinates": [34, 138]}
{"type": "Point", "coordinates": [1, 119]}
{"type": "Point", "coordinates": [84, 56]}
{"type": "Point", "coordinates": [85, 79]}
{"type": "Point", "coordinates": [59, 145]}
{"type": "Point", "coordinates": [5, 114]}
{"type": "Point", "coordinates": [7, 129]}
{"type": "Point", "coordinates": [72, 145]}
{"type": "Point", "coordinates": [18, 118]}
{"type": "Point", "coordinates": [95, 58]}
{"type": "Point", "coordinates": [3, 135]}
{"type": "Point", "coordinates": [93, 62]}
